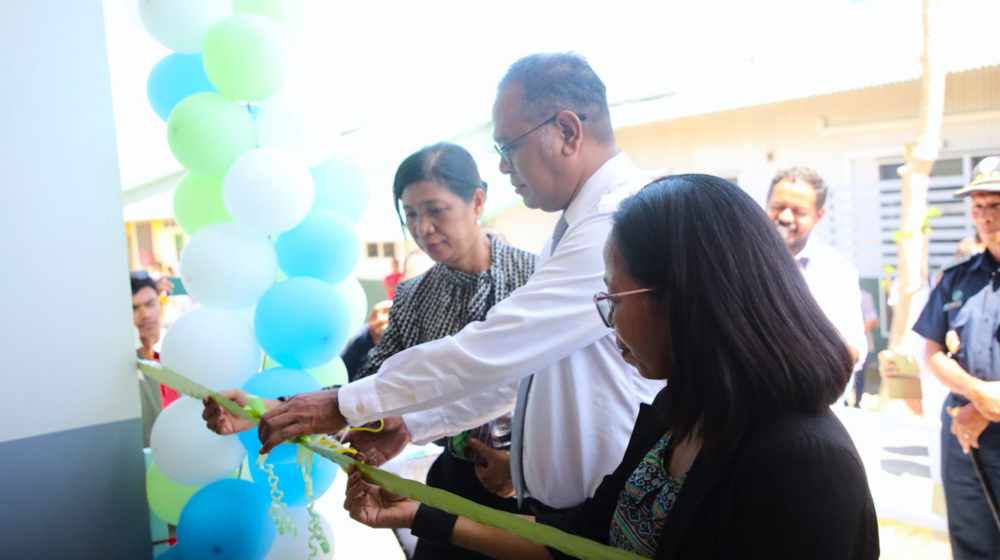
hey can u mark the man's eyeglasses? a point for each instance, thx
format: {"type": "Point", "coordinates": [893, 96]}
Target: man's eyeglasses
{"type": "Point", "coordinates": [502, 150]}
{"type": "Point", "coordinates": [606, 302]}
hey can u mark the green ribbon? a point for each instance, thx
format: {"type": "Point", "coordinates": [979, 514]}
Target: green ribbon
{"type": "Point", "coordinates": [537, 533]}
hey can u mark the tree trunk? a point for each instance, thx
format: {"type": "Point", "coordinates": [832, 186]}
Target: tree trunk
{"type": "Point", "coordinates": [920, 157]}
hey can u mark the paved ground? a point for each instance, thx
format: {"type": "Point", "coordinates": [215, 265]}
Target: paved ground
{"type": "Point", "coordinates": [897, 452]}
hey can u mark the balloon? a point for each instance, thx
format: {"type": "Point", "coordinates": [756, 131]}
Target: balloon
{"type": "Point", "coordinates": [323, 246]}
{"type": "Point", "coordinates": [356, 299]}
{"type": "Point", "coordinates": [175, 77]}
{"type": "Point", "coordinates": [246, 57]}
{"type": "Point", "coordinates": [286, 14]}
{"type": "Point", "coordinates": [291, 482]}
{"type": "Point", "coordinates": [198, 203]}
{"type": "Point", "coordinates": [207, 132]}
{"type": "Point", "coordinates": [302, 322]}
{"type": "Point", "coordinates": [186, 451]}
{"type": "Point", "coordinates": [167, 498]}
{"type": "Point", "coordinates": [226, 266]}
{"type": "Point", "coordinates": [265, 191]}
{"type": "Point", "coordinates": [289, 546]}
{"type": "Point", "coordinates": [341, 186]}
{"type": "Point", "coordinates": [182, 25]}
{"type": "Point", "coordinates": [331, 373]}
{"type": "Point", "coordinates": [213, 347]}
{"type": "Point", "coordinates": [270, 363]}
{"type": "Point", "coordinates": [172, 553]}
{"type": "Point", "coordinates": [227, 520]}
{"type": "Point", "coordinates": [305, 125]}
{"type": "Point", "coordinates": [271, 384]}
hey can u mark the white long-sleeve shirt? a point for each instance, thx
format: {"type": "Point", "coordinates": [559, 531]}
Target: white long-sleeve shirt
{"type": "Point", "coordinates": [584, 399]}
{"type": "Point", "coordinates": [833, 281]}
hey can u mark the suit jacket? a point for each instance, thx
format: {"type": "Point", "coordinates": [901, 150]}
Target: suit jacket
{"type": "Point", "coordinates": [794, 488]}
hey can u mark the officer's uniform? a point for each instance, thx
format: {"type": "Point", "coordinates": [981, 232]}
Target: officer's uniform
{"type": "Point", "coordinates": [967, 301]}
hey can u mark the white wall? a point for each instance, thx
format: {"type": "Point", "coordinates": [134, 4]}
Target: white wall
{"type": "Point", "coordinates": [65, 325]}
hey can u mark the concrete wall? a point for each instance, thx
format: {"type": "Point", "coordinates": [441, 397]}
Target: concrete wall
{"type": "Point", "coordinates": [70, 434]}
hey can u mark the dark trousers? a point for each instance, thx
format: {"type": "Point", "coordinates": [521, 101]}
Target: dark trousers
{"type": "Point", "coordinates": [459, 477]}
{"type": "Point", "coordinates": [973, 531]}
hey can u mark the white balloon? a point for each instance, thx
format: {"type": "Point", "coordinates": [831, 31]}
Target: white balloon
{"type": "Point", "coordinates": [266, 191]}
{"type": "Point", "coordinates": [305, 125]}
{"type": "Point", "coordinates": [225, 265]}
{"type": "Point", "coordinates": [357, 301]}
{"type": "Point", "coordinates": [213, 347]}
{"type": "Point", "coordinates": [182, 25]}
{"type": "Point", "coordinates": [289, 546]}
{"type": "Point", "coordinates": [186, 451]}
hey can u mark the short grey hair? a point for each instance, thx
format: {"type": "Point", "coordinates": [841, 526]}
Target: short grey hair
{"type": "Point", "coordinates": [562, 81]}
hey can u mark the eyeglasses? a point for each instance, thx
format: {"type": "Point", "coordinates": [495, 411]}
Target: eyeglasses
{"type": "Point", "coordinates": [502, 150]}
{"type": "Point", "coordinates": [606, 304]}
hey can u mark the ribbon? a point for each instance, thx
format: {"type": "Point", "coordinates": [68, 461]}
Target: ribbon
{"type": "Point", "coordinates": [537, 533]}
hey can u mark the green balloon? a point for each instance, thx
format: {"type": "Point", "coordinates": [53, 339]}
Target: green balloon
{"type": "Point", "coordinates": [166, 497]}
{"type": "Point", "coordinates": [198, 203]}
{"type": "Point", "coordinates": [246, 57]}
{"type": "Point", "coordinates": [285, 13]}
{"type": "Point", "coordinates": [207, 132]}
{"type": "Point", "coordinates": [332, 373]}
{"type": "Point", "coordinates": [270, 363]}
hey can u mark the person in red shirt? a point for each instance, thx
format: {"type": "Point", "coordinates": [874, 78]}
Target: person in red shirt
{"type": "Point", "coordinates": [392, 280]}
{"type": "Point", "coordinates": [147, 314]}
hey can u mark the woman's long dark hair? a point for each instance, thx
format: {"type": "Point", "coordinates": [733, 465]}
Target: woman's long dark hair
{"type": "Point", "coordinates": [444, 162]}
{"type": "Point", "coordinates": [747, 338]}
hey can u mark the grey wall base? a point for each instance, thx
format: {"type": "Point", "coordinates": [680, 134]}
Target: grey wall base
{"type": "Point", "coordinates": [75, 494]}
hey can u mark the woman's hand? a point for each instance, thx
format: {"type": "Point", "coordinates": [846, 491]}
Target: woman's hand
{"type": "Point", "coordinates": [495, 475]}
{"type": "Point", "coordinates": [374, 507]}
{"type": "Point", "coordinates": [304, 414]}
{"type": "Point", "coordinates": [380, 447]}
{"type": "Point", "coordinates": [221, 421]}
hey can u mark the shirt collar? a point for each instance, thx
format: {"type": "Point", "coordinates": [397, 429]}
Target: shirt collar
{"type": "Point", "coordinates": [986, 262]}
{"type": "Point", "coordinates": [597, 185]}
{"type": "Point", "coordinates": [808, 251]}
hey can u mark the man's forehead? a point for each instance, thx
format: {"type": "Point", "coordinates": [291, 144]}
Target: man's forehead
{"type": "Point", "coordinates": [507, 110]}
{"type": "Point", "coordinates": [799, 190]}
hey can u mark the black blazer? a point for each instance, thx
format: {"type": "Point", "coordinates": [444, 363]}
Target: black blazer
{"type": "Point", "coordinates": [795, 488]}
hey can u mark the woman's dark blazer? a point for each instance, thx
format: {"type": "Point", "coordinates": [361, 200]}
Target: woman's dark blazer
{"type": "Point", "coordinates": [795, 488]}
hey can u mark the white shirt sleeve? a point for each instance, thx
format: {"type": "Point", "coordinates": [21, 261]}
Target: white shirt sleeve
{"type": "Point", "coordinates": [540, 323]}
{"type": "Point", "coordinates": [454, 418]}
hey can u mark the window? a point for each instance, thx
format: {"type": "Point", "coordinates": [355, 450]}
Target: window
{"type": "Point", "coordinates": [389, 250]}
{"type": "Point", "coordinates": [372, 249]}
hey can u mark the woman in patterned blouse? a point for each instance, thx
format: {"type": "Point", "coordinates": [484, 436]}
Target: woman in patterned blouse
{"type": "Point", "coordinates": [740, 455]}
{"type": "Point", "coordinates": [442, 196]}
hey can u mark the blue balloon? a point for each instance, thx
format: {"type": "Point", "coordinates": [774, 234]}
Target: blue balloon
{"type": "Point", "coordinates": [227, 520]}
{"type": "Point", "coordinates": [172, 553]}
{"type": "Point", "coordinates": [271, 384]}
{"type": "Point", "coordinates": [323, 246]}
{"type": "Point", "coordinates": [175, 77]}
{"type": "Point", "coordinates": [302, 322]}
{"type": "Point", "coordinates": [340, 185]}
{"type": "Point", "coordinates": [291, 482]}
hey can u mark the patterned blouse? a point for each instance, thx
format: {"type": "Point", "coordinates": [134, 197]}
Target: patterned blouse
{"type": "Point", "coordinates": [645, 503]}
{"type": "Point", "coordinates": [442, 301]}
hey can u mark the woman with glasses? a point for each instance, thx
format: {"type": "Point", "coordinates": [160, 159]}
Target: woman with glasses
{"type": "Point", "coordinates": [739, 456]}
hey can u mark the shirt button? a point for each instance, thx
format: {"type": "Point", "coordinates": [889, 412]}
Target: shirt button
{"type": "Point", "coordinates": [413, 398]}
{"type": "Point", "coordinates": [360, 409]}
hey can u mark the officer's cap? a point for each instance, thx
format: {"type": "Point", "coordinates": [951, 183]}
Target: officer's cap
{"type": "Point", "coordinates": [985, 177]}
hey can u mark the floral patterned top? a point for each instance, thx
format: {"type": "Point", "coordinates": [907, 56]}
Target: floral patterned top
{"type": "Point", "coordinates": [645, 503]}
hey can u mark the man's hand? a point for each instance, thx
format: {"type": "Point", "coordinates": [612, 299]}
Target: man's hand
{"type": "Point", "coordinates": [495, 476]}
{"type": "Point", "coordinates": [967, 424]}
{"type": "Point", "coordinates": [164, 285]}
{"type": "Point", "coordinates": [373, 506]}
{"type": "Point", "coordinates": [379, 447]}
{"type": "Point", "coordinates": [985, 395]}
{"type": "Point", "coordinates": [378, 320]}
{"type": "Point", "coordinates": [886, 367]}
{"type": "Point", "coordinates": [221, 421]}
{"type": "Point", "coordinates": [304, 414]}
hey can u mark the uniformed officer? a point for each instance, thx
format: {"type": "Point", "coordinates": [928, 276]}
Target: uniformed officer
{"type": "Point", "coordinates": [963, 351]}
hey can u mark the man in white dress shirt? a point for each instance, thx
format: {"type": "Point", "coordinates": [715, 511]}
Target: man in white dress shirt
{"type": "Point", "coordinates": [795, 204]}
{"type": "Point", "coordinates": [579, 399]}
